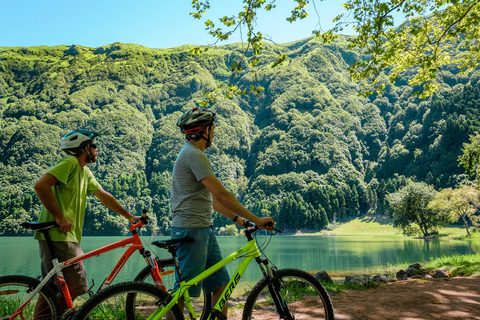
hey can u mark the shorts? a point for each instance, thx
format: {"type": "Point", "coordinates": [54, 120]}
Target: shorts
{"type": "Point", "coordinates": [197, 256]}
{"type": "Point", "coordinates": [75, 275]}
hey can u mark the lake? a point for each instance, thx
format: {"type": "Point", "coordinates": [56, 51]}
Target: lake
{"type": "Point", "coordinates": [338, 255]}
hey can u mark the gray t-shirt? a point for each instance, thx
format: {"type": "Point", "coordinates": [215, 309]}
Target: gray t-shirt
{"type": "Point", "coordinates": [191, 201]}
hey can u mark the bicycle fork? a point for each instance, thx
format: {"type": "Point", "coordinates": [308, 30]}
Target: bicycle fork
{"type": "Point", "coordinates": [274, 287]}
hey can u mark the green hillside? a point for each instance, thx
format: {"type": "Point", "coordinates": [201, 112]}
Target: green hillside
{"type": "Point", "coordinates": [308, 151]}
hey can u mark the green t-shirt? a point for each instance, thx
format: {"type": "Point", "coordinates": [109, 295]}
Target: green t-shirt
{"type": "Point", "coordinates": [74, 183]}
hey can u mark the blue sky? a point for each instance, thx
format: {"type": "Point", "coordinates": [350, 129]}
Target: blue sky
{"type": "Point", "coordinates": [151, 23]}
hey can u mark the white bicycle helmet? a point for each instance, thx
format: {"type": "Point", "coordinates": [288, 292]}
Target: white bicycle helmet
{"type": "Point", "coordinates": [74, 142]}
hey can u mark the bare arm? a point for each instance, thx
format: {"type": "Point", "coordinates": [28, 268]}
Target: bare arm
{"type": "Point", "coordinates": [217, 206]}
{"type": "Point", "coordinates": [43, 188]}
{"type": "Point", "coordinates": [110, 202]}
{"type": "Point", "coordinates": [227, 201]}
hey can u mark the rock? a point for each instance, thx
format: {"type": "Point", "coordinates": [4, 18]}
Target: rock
{"type": "Point", "coordinates": [380, 278]}
{"type": "Point", "coordinates": [354, 280]}
{"type": "Point", "coordinates": [417, 277]}
{"type": "Point", "coordinates": [414, 269]}
{"type": "Point", "coordinates": [402, 275]}
{"type": "Point", "coordinates": [441, 274]}
{"type": "Point", "coordinates": [428, 276]}
{"type": "Point", "coordinates": [323, 276]}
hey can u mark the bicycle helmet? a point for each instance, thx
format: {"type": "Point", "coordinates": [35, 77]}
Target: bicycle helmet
{"type": "Point", "coordinates": [194, 121]}
{"type": "Point", "coordinates": [75, 141]}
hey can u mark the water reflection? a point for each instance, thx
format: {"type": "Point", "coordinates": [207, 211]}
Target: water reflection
{"type": "Point", "coordinates": [339, 255]}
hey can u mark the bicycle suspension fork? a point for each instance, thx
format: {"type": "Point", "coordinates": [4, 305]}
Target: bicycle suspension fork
{"type": "Point", "coordinates": [274, 287]}
{"type": "Point", "coordinates": [155, 272]}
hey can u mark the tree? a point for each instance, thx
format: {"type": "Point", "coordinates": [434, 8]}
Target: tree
{"type": "Point", "coordinates": [470, 158]}
{"type": "Point", "coordinates": [228, 230]}
{"type": "Point", "coordinates": [427, 40]}
{"type": "Point", "coordinates": [459, 203]}
{"type": "Point", "coordinates": [409, 210]}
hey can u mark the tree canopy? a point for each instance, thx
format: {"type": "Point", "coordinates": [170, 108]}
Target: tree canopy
{"type": "Point", "coordinates": [434, 35]}
{"type": "Point", "coordinates": [410, 212]}
{"type": "Point", "coordinates": [461, 203]}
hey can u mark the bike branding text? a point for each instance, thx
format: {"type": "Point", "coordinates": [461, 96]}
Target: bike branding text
{"type": "Point", "coordinates": [229, 290]}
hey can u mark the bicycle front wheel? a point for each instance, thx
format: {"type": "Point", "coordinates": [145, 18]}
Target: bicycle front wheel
{"type": "Point", "coordinates": [110, 303]}
{"type": "Point", "coordinates": [305, 298]}
{"type": "Point", "coordinates": [201, 304]}
{"type": "Point", "coordinates": [15, 289]}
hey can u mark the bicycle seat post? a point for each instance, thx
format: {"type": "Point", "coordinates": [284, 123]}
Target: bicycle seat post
{"type": "Point", "coordinates": [49, 241]}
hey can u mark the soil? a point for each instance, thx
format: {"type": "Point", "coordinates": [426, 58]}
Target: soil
{"type": "Point", "coordinates": [433, 299]}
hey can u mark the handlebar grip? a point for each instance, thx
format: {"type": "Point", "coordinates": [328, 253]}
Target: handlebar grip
{"type": "Point", "coordinates": [269, 224]}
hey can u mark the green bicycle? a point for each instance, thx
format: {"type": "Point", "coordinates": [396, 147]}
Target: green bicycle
{"type": "Point", "coordinates": [280, 294]}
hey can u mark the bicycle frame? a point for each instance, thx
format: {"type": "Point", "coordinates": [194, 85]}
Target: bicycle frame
{"type": "Point", "coordinates": [250, 250]}
{"type": "Point", "coordinates": [134, 241]}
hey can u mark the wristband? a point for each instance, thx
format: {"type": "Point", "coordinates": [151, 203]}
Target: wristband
{"type": "Point", "coordinates": [235, 219]}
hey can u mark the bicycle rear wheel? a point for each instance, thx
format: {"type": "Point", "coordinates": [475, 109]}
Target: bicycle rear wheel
{"type": "Point", "coordinates": [304, 296]}
{"type": "Point", "coordinates": [109, 304]}
{"type": "Point", "coordinates": [201, 304]}
{"type": "Point", "coordinates": [15, 289]}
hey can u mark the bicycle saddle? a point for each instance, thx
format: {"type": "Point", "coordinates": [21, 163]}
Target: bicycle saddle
{"type": "Point", "coordinates": [38, 226]}
{"type": "Point", "coordinates": [165, 244]}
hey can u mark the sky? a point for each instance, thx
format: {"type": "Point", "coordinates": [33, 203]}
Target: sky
{"type": "Point", "coordinates": [150, 23]}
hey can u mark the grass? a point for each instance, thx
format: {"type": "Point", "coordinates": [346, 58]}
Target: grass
{"type": "Point", "coordinates": [379, 225]}
{"type": "Point", "coordinates": [456, 265]}
{"type": "Point", "coordinates": [374, 225]}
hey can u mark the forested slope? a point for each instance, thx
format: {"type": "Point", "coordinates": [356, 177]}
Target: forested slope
{"type": "Point", "coordinates": [308, 151]}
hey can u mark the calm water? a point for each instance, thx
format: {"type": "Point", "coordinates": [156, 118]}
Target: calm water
{"type": "Point", "coordinates": [339, 256]}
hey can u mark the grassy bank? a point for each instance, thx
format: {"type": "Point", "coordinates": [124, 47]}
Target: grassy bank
{"type": "Point", "coordinates": [456, 265]}
{"type": "Point", "coordinates": [377, 225]}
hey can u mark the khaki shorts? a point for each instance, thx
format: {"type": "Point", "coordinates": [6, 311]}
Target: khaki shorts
{"type": "Point", "coordinates": [75, 275]}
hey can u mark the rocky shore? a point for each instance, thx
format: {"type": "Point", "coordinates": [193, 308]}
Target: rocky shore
{"type": "Point", "coordinates": [414, 271]}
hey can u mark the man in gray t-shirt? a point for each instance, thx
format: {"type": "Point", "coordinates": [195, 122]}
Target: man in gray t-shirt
{"type": "Point", "coordinates": [195, 193]}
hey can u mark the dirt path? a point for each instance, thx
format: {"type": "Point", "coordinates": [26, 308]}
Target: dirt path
{"type": "Point", "coordinates": [454, 298]}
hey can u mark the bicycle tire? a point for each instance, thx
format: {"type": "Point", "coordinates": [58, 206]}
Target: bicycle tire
{"type": "Point", "coordinates": [14, 289]}
{"type": "Point", "coordinates": [201, 304]}
{"type": "Point", "coordinates": [305, 298]}
{"type": "Point", "coordinates": [110, 303]}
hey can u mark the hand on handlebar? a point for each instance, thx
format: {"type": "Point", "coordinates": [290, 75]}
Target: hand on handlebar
{"type": "Point", "coordinates": [266, 223]}
{"type": "Point", "coordinates": [133, 219]}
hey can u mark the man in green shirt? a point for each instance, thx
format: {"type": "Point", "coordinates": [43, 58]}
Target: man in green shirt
{"type": "Point", "coordinates": [63, 192]}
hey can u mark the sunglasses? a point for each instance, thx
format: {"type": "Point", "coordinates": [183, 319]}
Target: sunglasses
{"type": "Point", "coordinates": [94, 146]}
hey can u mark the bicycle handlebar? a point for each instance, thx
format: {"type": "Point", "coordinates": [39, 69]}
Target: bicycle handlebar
{"type": "Point", "coordinates": [253, 227]}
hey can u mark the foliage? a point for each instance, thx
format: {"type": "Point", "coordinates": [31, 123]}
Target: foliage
{"type": "Point", "coordinates": [228, 230]}
{"type": "Point", "coordinates": [424, 41]}
{"type": "Point", "coordinates": [456, 265]}
{"type": "Point", "coordinates": [410, 211]}
{"type": "Point", "coordinates": [435, 35]}
{"type": "Point", "coordinates": [307, 151]}
{"type": "Point", "coordinates": [470, 159]}
{"type": "Point", "coordinates": [461, 203]}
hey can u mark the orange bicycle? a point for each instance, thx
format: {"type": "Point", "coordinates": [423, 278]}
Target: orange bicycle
{"type": "Point", "coordinates": [19, 294]}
